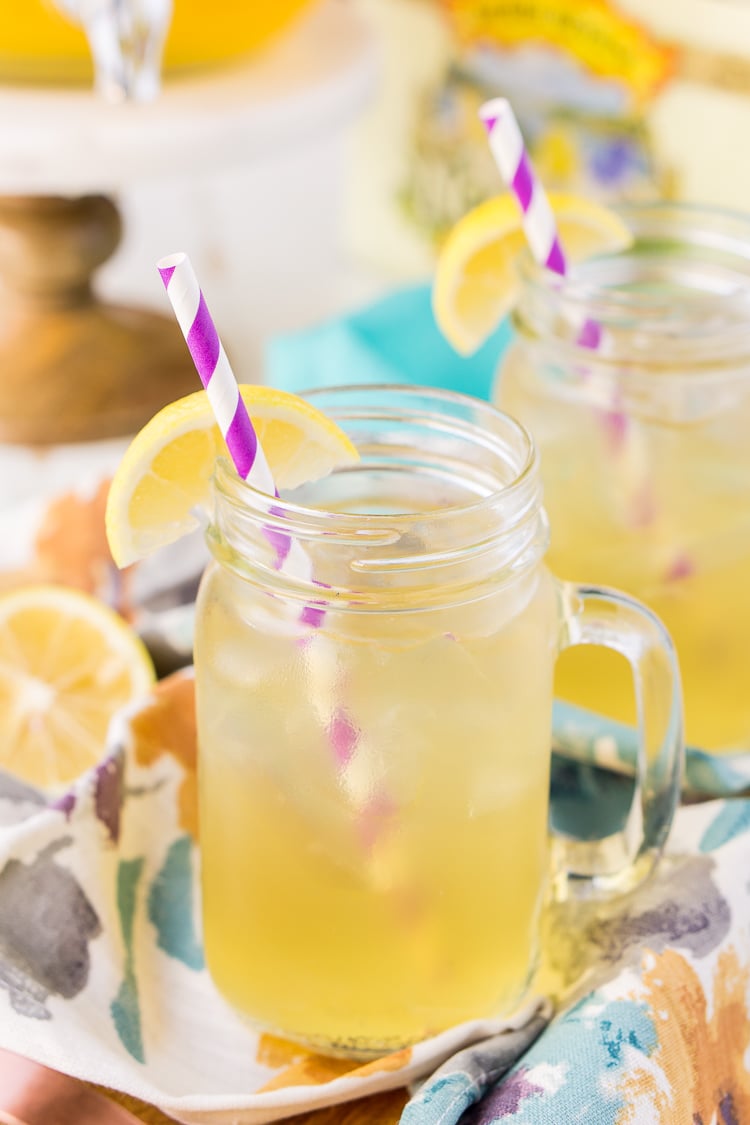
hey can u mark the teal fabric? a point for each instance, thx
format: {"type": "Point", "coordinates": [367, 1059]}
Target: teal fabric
{"type": "Point", "coordinates": [394, 340]}
{"type": "Point", "coordinates": [587, 737]}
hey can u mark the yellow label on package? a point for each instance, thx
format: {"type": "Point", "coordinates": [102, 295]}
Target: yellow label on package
{"type": "Point", "coordinates": [609, 44]}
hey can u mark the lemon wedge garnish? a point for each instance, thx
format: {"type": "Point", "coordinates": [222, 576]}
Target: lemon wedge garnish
{"type": "Point", "coordinates": [166, 471]}
{"type": "Point", "coordinates": [476, 283]}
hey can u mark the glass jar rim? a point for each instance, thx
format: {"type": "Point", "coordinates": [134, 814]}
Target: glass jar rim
{"type": "Point", "coordinates": [244, 493]}
{"type": "Point", "coordinates": [425, 442]}
{"type": "Point", "coordinates": [645, 329]}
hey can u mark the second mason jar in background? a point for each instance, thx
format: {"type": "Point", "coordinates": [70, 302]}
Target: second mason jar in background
{"type": "Point", "coordinates": [633, 375]}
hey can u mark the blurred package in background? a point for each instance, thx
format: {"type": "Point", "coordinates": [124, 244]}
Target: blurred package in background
{"type": "Point", "coordinates": [618, 99]}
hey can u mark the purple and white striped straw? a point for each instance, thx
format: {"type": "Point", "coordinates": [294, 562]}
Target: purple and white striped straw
{"type": "Point", "coordinates": [247, 454]}
{"type": "Point", "coordinates": [215, 373]}
{"type": "Point", "coordinates": [508, 148]}
{"type": "Point", "coordinates": [537, 217]}
{"type": "Point", "coordinates": [231, 414]}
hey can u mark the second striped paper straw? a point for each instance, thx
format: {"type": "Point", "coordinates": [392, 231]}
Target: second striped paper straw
{"type": "Point", "coordinates": [539, 225]}
{"type": "Point", "coordinates": [537, 217]}
{"type": "Point", "coordinates": [508, 148]}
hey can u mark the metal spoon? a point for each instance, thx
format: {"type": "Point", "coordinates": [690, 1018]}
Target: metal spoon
{"type": "Point", "coordinates": [126, 38]}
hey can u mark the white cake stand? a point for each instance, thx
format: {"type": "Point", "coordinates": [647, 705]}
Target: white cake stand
{"type": "Point", "coordinates": [73, 368]}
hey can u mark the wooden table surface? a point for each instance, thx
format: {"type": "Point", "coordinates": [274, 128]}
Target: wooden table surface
{"type": "Point", "coordinates": [380, 1109]}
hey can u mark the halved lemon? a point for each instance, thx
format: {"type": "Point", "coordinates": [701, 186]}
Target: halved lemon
{"type": "Point", "coordinates": [166, 471]}
{"type": "Point", "coordinates": [67, 662]}
{"type": "Point", "coordinates": [476, 283]}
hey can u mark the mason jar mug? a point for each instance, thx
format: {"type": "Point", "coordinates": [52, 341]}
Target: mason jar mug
{"type": "Point", "coordinates": [633, 375]}
{"type": "Point", "coordinates": [374, 730]}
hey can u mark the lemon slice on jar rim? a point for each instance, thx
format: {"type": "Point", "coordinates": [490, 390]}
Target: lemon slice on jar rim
{"type": "Point", "coordinates": [166, 471]}
{"type": "Point", "coordinates": [67, 661]}
{"type": "Point", "coordinates": [476, 282]}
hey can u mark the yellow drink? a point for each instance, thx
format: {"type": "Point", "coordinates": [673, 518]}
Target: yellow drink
{"type": "Point", "coordinates": [374, 742]}
{"type": "Point", "coordinates": [39, 44]}
{"type": "Point", "coordinates": [671, 525]}
{"type": "Point", "coordinates": [645, 455]}
{"type": "Point", "coordinates": [398, 893]}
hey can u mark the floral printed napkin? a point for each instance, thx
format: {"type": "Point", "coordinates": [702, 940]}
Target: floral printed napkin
{"type": "Point", "coordinates": [654, 1025]}
{"type": "Point", "coordinates": [102, 973]}
{"type": "Point", "coordinates": [101, 964]}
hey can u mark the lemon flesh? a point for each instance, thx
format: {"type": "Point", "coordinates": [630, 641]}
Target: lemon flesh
{"type": "Point", "coordinates": [166, 472]}
{"type": "Point", "coordinates": [67, 663]}
{"type": "Point", "coordinates": [476, 282]}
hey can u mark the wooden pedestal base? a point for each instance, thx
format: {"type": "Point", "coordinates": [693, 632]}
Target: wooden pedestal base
{"type": "Point", "coordinates": [73, 368]}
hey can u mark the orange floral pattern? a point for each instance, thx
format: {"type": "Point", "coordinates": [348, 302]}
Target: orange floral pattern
{"type": "Point", "coordinates": [167, 726]}
{"type": "Point", "coordinates": [700, 1056]}
{"type": "Point", "coordinates": [305, 1068]}
{"type": "Point", "coordinates": [70, 549]}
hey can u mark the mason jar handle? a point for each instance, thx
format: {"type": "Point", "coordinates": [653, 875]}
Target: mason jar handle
{"type": "Point", "coordinates": [599, 868]}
